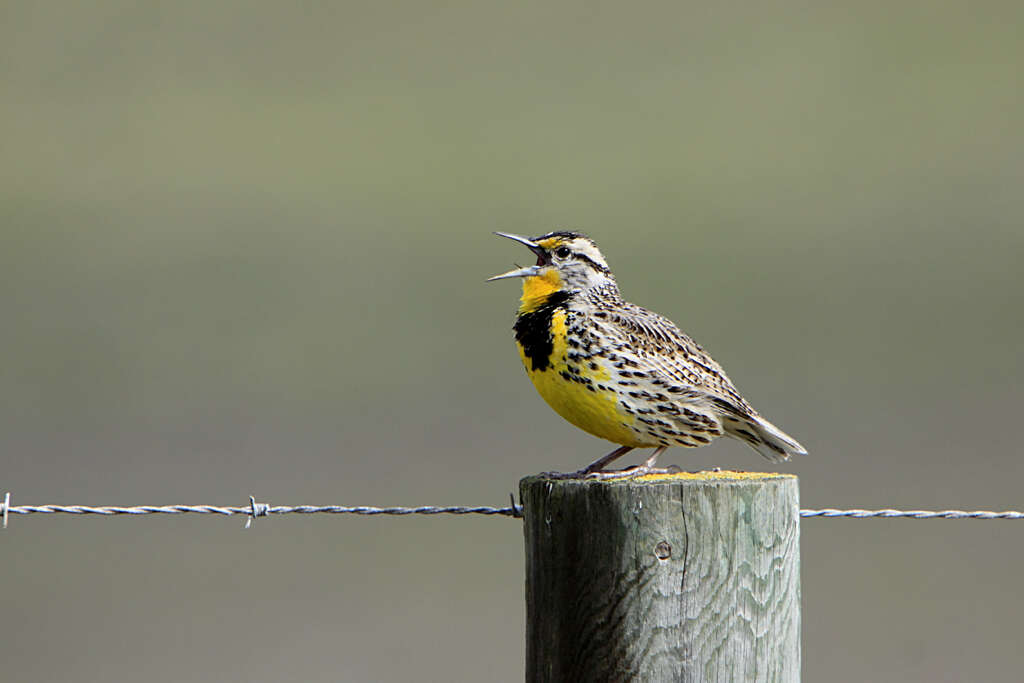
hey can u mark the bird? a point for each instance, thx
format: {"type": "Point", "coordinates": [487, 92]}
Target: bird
{"type": "Point", "coordinates": [619, 371]}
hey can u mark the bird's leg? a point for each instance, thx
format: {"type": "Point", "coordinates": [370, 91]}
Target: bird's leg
{"type": "Point", "coordinates": [595, 466]}
{"type": "Point", "coordinates": [638, 471]}
{"type": "Point", "coordinates": [599, 464]}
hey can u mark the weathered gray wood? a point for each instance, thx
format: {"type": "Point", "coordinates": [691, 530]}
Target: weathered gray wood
{"type": "Point", "coordinates": [688, 577]}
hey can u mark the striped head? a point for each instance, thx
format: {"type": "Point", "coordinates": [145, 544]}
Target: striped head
{"type": "Point", "coordinates": [566, 262]}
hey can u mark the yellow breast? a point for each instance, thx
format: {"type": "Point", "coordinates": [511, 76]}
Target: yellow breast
{"type": "Point", "coordinates": [581, 402]}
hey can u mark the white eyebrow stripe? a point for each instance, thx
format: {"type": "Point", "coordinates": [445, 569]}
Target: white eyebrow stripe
{"type": "Point", "coordinates": [586, 249]}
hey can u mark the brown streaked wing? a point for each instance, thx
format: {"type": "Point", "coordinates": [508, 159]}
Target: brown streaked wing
{"type": "Point", "coordinates": [671, 352]}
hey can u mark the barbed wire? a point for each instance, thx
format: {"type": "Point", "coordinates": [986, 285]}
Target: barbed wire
{"type": "Point", "coordinates": [254, 509]}
{"type": "Point", "coordinates": [914, 514]}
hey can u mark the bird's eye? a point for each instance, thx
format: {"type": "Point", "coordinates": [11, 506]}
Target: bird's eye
{"type": "Point", "coordinates": [562, 252]}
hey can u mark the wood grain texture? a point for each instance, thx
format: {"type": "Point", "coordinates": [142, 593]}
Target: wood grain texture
{"type": "Point", "coordinates": [672, 578]}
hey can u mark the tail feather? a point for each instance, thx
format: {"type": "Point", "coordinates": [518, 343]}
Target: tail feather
{"type": "Point", "coordinates": [764, 437]}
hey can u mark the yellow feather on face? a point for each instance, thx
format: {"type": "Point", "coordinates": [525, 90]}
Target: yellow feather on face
{"type": "Point", "coordinates": [536, 290]}
{"type": "Point", "coordinates": [551, 242]}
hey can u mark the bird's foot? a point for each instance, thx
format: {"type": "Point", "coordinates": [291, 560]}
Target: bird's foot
{"type": "Point", "coordinates": [630, 472]}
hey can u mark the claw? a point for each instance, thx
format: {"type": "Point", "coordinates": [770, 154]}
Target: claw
{"type": "Point", "coordinates": [638, 471]}
{"type": "Point", "coordinates": [632, 472]}
{"type": "Point", "coordinates": [594, 471]}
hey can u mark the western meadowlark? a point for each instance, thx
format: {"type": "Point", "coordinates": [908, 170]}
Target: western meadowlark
{"type": "Point", "coordinates": [619, 371]}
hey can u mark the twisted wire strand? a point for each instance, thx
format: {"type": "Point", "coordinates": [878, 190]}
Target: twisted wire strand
{"type": "Point", "coordinates": [262, 510]}
{"type": "Point", "coordinates": [914, 514]}
{"type": "Point", "coordinates": [255, 509]}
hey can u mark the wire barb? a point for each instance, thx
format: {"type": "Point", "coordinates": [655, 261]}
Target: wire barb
{"type": "Point", "coordinates": [256, 510]}
{"type": "Point", "coordinates": [7, 506]}
{"type": "Point", "coordinates": [517, 510]}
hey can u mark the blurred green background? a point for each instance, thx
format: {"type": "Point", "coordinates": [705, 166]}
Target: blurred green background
{"type": "Point", "coordinates": [243, 250]}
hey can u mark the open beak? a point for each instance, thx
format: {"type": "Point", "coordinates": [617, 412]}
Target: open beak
{"type": "Point", "coordinates": [528, 271]}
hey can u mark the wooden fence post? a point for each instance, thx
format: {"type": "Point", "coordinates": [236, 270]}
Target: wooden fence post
{"type": "Point", "coordinates": [683, 577]}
